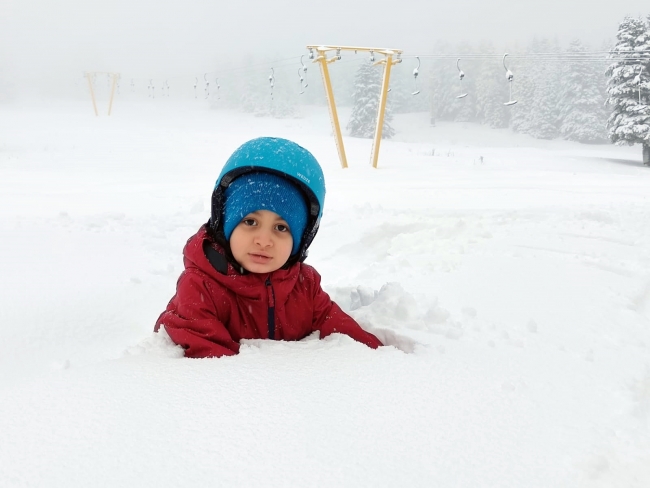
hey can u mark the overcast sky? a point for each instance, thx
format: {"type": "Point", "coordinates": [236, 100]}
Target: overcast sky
{"type": "Point", "coordinates": [41, 39]}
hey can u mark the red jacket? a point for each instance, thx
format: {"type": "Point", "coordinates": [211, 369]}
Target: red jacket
{"type": "Point", "coordinates": [212, 311]}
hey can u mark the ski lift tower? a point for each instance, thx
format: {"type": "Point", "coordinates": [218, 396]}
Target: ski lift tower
{"type": "Point", "coordinates": [319, 54]}
{"type": "Point", "coordinates": [114, 77]}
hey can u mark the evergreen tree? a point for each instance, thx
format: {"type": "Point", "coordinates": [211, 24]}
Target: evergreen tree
{"type": "Point", "coordinates": [442, 85]}
{"type": "Point", "coordinates": [367, 90]}
{"type": "Point", "coordinates": [255, 95]}
{"type": "Point", "coordinates": [582, 99]}
{"type": "Point", "coordinates": [491, 92]}
{"type": "Point", "coordinates": [523, 90]}
{"type": "Point", "coordinates": [628, 87]}
{"type": "Point", "coordinates": [404, 84]}
{"type": "Point", "coordinates": [400, 91]}
{"type": "Point", "coordinates": [545, 120]}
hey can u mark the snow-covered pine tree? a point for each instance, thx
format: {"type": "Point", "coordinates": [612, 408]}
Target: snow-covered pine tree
{"type": "Point", "coordinates": [442, 85]}
{"type": "Point", "coordinates": [254, 92]}
{"type": "Point", "coordinates": [581, 99]}
{"type": "Point", "coordinates": [404, 84]}
{"type": "Point", "coordinates": [545, 120]}
{"type": "Point", "coordinates": [629, 122]}
{"type": "Point", "coordinates": [400, 91]}
{"type": "Point", "coordinates": [491, 92]}
{"type": "Point", "coordinates": [367, 90]}
{"type": "Point", "coordinates": [523, 90]}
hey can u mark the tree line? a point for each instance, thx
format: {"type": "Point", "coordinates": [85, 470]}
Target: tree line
{"type": "Point", "coordinates": [573, 93]}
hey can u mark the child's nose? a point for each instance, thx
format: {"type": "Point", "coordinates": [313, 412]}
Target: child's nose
{"type": "Point", "coordinates": [263, 238]}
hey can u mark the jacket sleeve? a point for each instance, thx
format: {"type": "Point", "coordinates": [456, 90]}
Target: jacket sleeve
{"type": "Point", "coordinates": [330, 319]}
{"type": "Point", "coordinates": [191, 320]}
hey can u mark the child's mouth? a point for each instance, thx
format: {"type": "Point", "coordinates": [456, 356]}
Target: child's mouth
{"type": "Point", "coordinates": [260, 258]}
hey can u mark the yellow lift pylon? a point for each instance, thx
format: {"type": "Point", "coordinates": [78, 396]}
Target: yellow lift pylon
{"type": "Point", "coordinates": [319, 54]}
{"type": "Point", "coordinates": [113, 76]}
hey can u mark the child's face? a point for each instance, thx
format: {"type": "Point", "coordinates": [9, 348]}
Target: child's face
{"type": "Point", "coordinates": [261, 242]}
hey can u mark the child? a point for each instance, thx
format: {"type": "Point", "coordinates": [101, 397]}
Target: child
{"type": "Point", "coordinates": [244, 275]}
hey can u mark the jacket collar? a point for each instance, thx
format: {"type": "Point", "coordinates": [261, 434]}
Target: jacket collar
{"type": "Point", "coordinates": [203, 253]}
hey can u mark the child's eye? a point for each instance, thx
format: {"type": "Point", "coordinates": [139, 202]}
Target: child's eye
{"type": "Point", "coordinates": [249, 222]}
{"type": "Point", "coordinates": [282, 228]}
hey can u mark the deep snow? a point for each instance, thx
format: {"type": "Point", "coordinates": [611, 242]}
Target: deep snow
{"type": "Point", "coordinates": [509, 276]}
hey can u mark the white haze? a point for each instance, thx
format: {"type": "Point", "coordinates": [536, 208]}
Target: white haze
{"type": "Point", "coordinates": [45, 44]}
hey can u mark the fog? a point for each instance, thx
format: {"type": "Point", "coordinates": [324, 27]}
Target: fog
{"type": "Point", "coordinates": [43, 43]}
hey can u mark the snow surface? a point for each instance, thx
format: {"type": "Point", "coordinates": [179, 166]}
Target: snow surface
{"type": "Point", "coordinates": [509, 276]}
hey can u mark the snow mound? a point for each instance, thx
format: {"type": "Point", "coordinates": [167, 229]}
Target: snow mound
{"type": "Point", "coordinates": [158, 344]}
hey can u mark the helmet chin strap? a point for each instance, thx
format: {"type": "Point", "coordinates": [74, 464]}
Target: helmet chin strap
{"type": "Point", "coordinates": [216, 259]}
{"type": "Point", "coordinates": [219, 261]}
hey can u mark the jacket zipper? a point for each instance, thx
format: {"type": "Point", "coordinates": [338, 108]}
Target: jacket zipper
{"type": "Point", "coordinates": [271, 312]}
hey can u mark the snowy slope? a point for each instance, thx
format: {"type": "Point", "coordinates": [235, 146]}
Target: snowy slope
{"type": "Point", "coordinates": [509, 276]}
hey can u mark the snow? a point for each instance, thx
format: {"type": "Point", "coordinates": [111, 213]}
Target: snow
{"type": "Point", "coordinates": [509, 276]}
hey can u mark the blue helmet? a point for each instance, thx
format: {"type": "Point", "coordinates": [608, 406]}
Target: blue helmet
{"type": "Point", "coordinates": [283, 158]}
